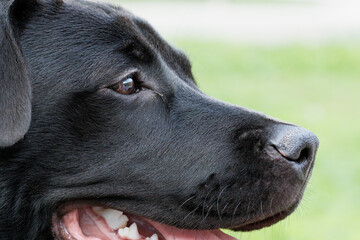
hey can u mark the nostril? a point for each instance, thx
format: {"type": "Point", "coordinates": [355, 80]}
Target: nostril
{"type": "Point", "coordinates": [295, 144]}
{"type": "Point", "coordinates": [304, 155]}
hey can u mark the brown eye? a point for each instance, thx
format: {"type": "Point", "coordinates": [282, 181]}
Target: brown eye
{"type": "Point", "coordinates": [126, 86]}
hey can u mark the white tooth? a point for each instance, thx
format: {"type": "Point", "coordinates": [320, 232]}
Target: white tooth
{"type": "Point", "coordinates": [147, 238]}
{"type": "Point", "coordinates": [154, 237]}
{"type": "Point", "coordinates": [133, 232]}
{"type": "Point", "coordinates": [114, 218]}
{"type": "Point", "coordinates": [122, 221]}
{"type": "Point", "coordinates": [123, 232]}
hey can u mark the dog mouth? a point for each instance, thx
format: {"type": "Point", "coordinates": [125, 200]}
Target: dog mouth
{"type": "Point", "coordinates": [89, 222]}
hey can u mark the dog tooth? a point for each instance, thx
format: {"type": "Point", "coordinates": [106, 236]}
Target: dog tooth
{"type": "Point", "coordinates": [130, 232]}
{"type": "Point", "coordinates": [122, 221]}
{"type": "Point", "coordinates": [133, 232]}
{"type": "Point", "coordinates": [114, 218]}
{"type": "Point", "coordinates": [154, 237]}
{"type": "Point", "coordinates": [123, 232]}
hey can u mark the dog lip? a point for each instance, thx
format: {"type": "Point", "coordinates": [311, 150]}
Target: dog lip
{"type": "Point", "coordinates": [266, 222]}
{"type": "Point", "coordinates": [262, 223]}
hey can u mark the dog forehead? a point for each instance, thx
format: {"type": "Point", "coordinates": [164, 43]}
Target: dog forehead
{"type": "Point", "coordinates": [115, 19]}
{"type": "Point", "coordinates": [118, 25]}
{"type": "Point", "coordinates": [85, 42]}
{"type": "Point", "coordinates": [146, 38]}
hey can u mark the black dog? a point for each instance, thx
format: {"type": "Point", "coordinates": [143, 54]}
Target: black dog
{"type": "Point", "coordinates": [98, 112]}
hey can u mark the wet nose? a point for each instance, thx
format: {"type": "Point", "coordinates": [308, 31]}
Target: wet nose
{"type": "Point", "coordinates": [294, 143]}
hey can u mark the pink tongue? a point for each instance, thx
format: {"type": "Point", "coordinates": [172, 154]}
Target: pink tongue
{"type": "Point", "coordinates": [171, 233]}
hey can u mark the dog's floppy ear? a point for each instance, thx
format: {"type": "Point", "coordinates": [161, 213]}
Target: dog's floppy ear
{"type": "Point", "coordinates": [15, 86]}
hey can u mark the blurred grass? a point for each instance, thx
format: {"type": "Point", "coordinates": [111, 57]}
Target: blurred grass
{"type": "Point", "coordinates": [317, 87]}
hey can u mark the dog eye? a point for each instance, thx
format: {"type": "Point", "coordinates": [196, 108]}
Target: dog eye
{"type": "Point", "coordinates": [126, 86]}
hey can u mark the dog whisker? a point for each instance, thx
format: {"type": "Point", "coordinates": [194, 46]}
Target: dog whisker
{"type": "Point", "coordinates": [218, 200]}
{"type": "Point", "coordinates": [233, 215]}
{"type": "Point", "coordinates": [194, 210]}
{"type": "Point", "coordinates": [227, 204]}
{"type": "Point", "coordinates": [270, 206]}
{"type": "Point", "coordinates": [204, 203]}
{"type": "Point", "coordinates": [249, 215]}
{"type": "Point", "coordinates": [207, 214]}
{"type": "Point", "coordinates": [186, 201]}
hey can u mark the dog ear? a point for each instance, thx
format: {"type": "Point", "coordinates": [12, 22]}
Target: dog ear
{"type": "Point", "coordinates": [15, 86]}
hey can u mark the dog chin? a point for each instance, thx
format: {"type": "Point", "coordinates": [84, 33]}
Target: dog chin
{"type": "Point", "coordinates": [266, 221]}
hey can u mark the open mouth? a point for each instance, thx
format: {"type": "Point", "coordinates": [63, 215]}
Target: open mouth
{"type": "Point", "coordinates": [88, 222]}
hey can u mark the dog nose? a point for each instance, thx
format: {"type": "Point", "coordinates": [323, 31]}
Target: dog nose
{"type": "Point", "coordinates": [294, 143]}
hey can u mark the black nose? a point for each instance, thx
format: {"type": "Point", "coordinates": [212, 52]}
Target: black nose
{"type": "Point", "coordinates": [294, 143]}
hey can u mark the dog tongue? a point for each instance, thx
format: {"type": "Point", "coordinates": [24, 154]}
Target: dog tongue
{"type": "Point", "coordinates": [181, 234]}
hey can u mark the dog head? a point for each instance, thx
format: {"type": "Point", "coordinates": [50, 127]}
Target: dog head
{"type": "Point", "coordinates": [98, 114]}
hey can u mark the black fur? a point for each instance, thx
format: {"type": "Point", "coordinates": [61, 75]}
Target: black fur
{"type": "Point", "coordinates": [168, 152]}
